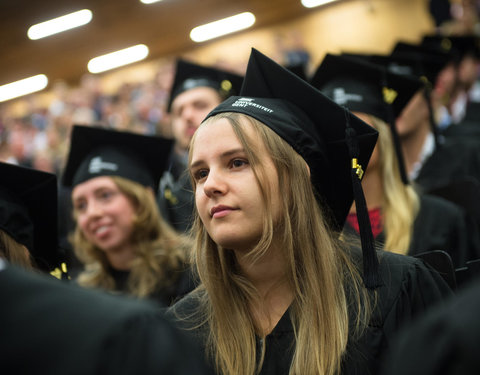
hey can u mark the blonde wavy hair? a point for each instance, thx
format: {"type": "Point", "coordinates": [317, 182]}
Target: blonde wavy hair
{"type": "Point", "coordinates": [326, 284]}
{"type": "Point", "coordinates": [400, 202]}
{"type": "Point", "coordinates": [159, 249]}
{"type": "Point", "coordinates": [15, 252]}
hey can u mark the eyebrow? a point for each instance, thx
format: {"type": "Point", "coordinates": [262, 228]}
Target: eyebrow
{"type": "Point", "coordinates": [222, 156]}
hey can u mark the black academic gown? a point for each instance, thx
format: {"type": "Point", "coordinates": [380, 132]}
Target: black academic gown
{"type": "Point", "coordinates": [454, 158]}
{"type": "Point", "coordinates": [444, 341]}
{"type": "Point", "coordinates": [410, 288]}
{"type": "Point", "coordinates": [51, 327]}
{"type": "Point", "coordinates": [182, 285]}
{"type": "Point", "coordinates": [439, 225]}
{"type": "Point", "coordinates": [175, 197]}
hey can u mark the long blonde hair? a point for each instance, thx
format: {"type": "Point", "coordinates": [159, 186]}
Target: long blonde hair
{"type": "Point", "coordinates": [400, 202]}
{"type": "Point", "coordinates": [159, 249]}
{"type": "Point", "coordinates": [318, 271]}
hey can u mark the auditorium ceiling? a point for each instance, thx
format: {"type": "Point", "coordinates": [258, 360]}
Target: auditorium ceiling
{"type": "Point", "coordinates": [164, 27]}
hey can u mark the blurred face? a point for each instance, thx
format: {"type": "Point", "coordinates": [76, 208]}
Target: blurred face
{"type": "Point", "coordinates": [468, 71]}
{"type": "Point", "coordinates": [104, 214]}
{"type": "Point", "coordinates": [188, 110]}
{"type": "Point", "coordinates": [227, 195]}
{"type": "Point", "coordinates": [446, 81]}
{"type": "Point", "coordinates": [414, 116]}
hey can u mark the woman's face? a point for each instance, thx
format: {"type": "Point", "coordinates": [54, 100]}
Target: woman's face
{"type": "Point", "coordinates": [104, 214]}
{"type": "Point", "coordinates": [227, 195]}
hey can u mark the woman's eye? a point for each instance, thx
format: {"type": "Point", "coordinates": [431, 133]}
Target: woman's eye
{"type": "Point", "coordinates": [105, 195]}
{"type": "Point", "coordinates": [79, 206]}
{"type": "Point", "coordinates": [237, 163]}
{"type": "Point", "coordinates": [200, 174]}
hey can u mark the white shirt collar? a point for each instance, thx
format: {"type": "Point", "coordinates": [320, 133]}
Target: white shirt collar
{"type": "Point", "coordinates": [427, 150]}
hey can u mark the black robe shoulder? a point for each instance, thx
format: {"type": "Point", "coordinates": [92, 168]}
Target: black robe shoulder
{"type": "Point", "coordinates": [441, 225]}
{"type": "Point", "coordinates": [51, 327]}
{"type": "Point", "coordinates": [410, 288]}
{"type": "Point", "coordinates": [455, 158]}
{"type": "Point", "coordinates": [444, 341]}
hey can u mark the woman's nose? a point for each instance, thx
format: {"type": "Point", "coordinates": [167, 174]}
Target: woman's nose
{"type": "Point", "coordinates": [215, 184]}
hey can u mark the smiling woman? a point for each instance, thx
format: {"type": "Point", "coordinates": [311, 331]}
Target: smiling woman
{"type": "Point", "coordinates": [120, 236]}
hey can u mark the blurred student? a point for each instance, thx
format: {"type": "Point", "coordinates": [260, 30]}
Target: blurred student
{"type": "Point", "coordinates": [120, 235]}
{"type": "Point", "coordinates": [196, 90]}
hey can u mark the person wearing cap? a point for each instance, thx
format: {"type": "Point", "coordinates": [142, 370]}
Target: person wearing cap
{"type": "Point", "coordinates": [403, 221]}
{"type": "Point", "coordinates": [196, 90]}
{"type": "Point", "coordinates": [120, 236]}
{"type": "Point", "coordinates": [28, 219]}
{"type": "Point", "coordinates": [50, 327]}
{"type": "Point", "coordinates": [279, 293]}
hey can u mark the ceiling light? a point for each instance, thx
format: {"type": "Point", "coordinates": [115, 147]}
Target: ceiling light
{"type": "Point", "coordinates": [23, 87]}
{"type": "Point", "coordinates": [222, 27]}
{"type": "Point", "coordinates": [118, 58]}
{"type": "Point", "coordinates": [149, 1]}
{"type": "Point", "coordinates": [59, 24]}
{"type": "Point", "coordinates": [315, 3]}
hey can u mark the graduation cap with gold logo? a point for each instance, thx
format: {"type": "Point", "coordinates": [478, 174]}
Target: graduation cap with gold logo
{"type": "Point", "coordinates": [189, 75]}
{"type": "Point", "coordinates": [368, 88]}
{"type": "Point", "coordinates": [334, 143]}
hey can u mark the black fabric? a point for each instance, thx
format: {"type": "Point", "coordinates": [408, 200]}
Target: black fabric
{"type": "Point", "coordinates": [455, 158]}
{"type": "Point", "coordinates": [411, 288]}
{"type": "Point", "coordinates": [189, 75]}
{"type": "Point", "coordinates": [175, 195]}
{"type": "Point", "coordinates": [445, 341]}
{"type": "Point", "coordinates": [181, 283]}
{"type": "Point", "coordinates": [28, 212]}
{"type": "Point", "coordinates": [95, 152]}
{"type": "Point", "coordinates": [50, 327]}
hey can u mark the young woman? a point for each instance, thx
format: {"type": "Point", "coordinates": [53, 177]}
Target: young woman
{"type": "Point", "coordinates": [28, 218]}
{"type": "Point", "coordinates": [120, 236]}
{"type": "Point", "coordinates": [279, 292]}
{"type": "Point", "coordinates": [403, 220]}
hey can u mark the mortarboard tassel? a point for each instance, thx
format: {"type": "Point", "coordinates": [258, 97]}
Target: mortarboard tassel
{"type": "Point", "coordinates": [371, 276]}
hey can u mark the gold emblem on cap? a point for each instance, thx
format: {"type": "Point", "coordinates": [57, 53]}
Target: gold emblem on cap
{"type": "Point", "coordinates": [358, 168]}
{"type": "Point", "coordinates": [170, 197]}
{"type": "Point", "coordinates": [58, 272]}
{"type": "Point", "coordinates": [226, 85]}
{"type": "Point", "coordinates": [389, 95]}
{"type": "Point", "coordinates": [446, 44]}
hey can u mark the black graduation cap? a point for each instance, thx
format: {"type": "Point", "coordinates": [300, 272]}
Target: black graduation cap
{"type": "Point", "coordinates": [96, 151]}
{"type": "Point", "coordinates": [326, 135]}
{"type": "Point", "coordinates": [300, 69]}
{"type": "Point", "coordinates": [28, 212]}
{"type": "Point", "coordinates": [189, 75]}
{"type": "Point", "coordinates": [421, 65]}
{"type": "Point", "coordinates": [462, 44]}
{"type": "Point", "coordinates": [368, 88]}
{"type": "Point", "coordinates": [423, 62]}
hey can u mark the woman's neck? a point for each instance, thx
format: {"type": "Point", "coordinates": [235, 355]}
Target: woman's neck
{"type": "Point", "coordinates": [412, 146]}
{"type": "Point", "coordinates": [269, 278]}
{"type": "Point", "coordinates": [121, 259]}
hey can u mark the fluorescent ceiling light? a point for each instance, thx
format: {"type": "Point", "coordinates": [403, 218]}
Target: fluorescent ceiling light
{"type": "Point", "coordinates": [118, 58]}
{"type": "Point", "coordinates": [149, 1]}
{"type": "Point", "coordinates": [222, 27]}
{"type": "Point", "coordinates": [23, 87]}
{"type": "Point", "coordinates": [315, 3]}
{"type": "Point", "coordinates": [59, 24]}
